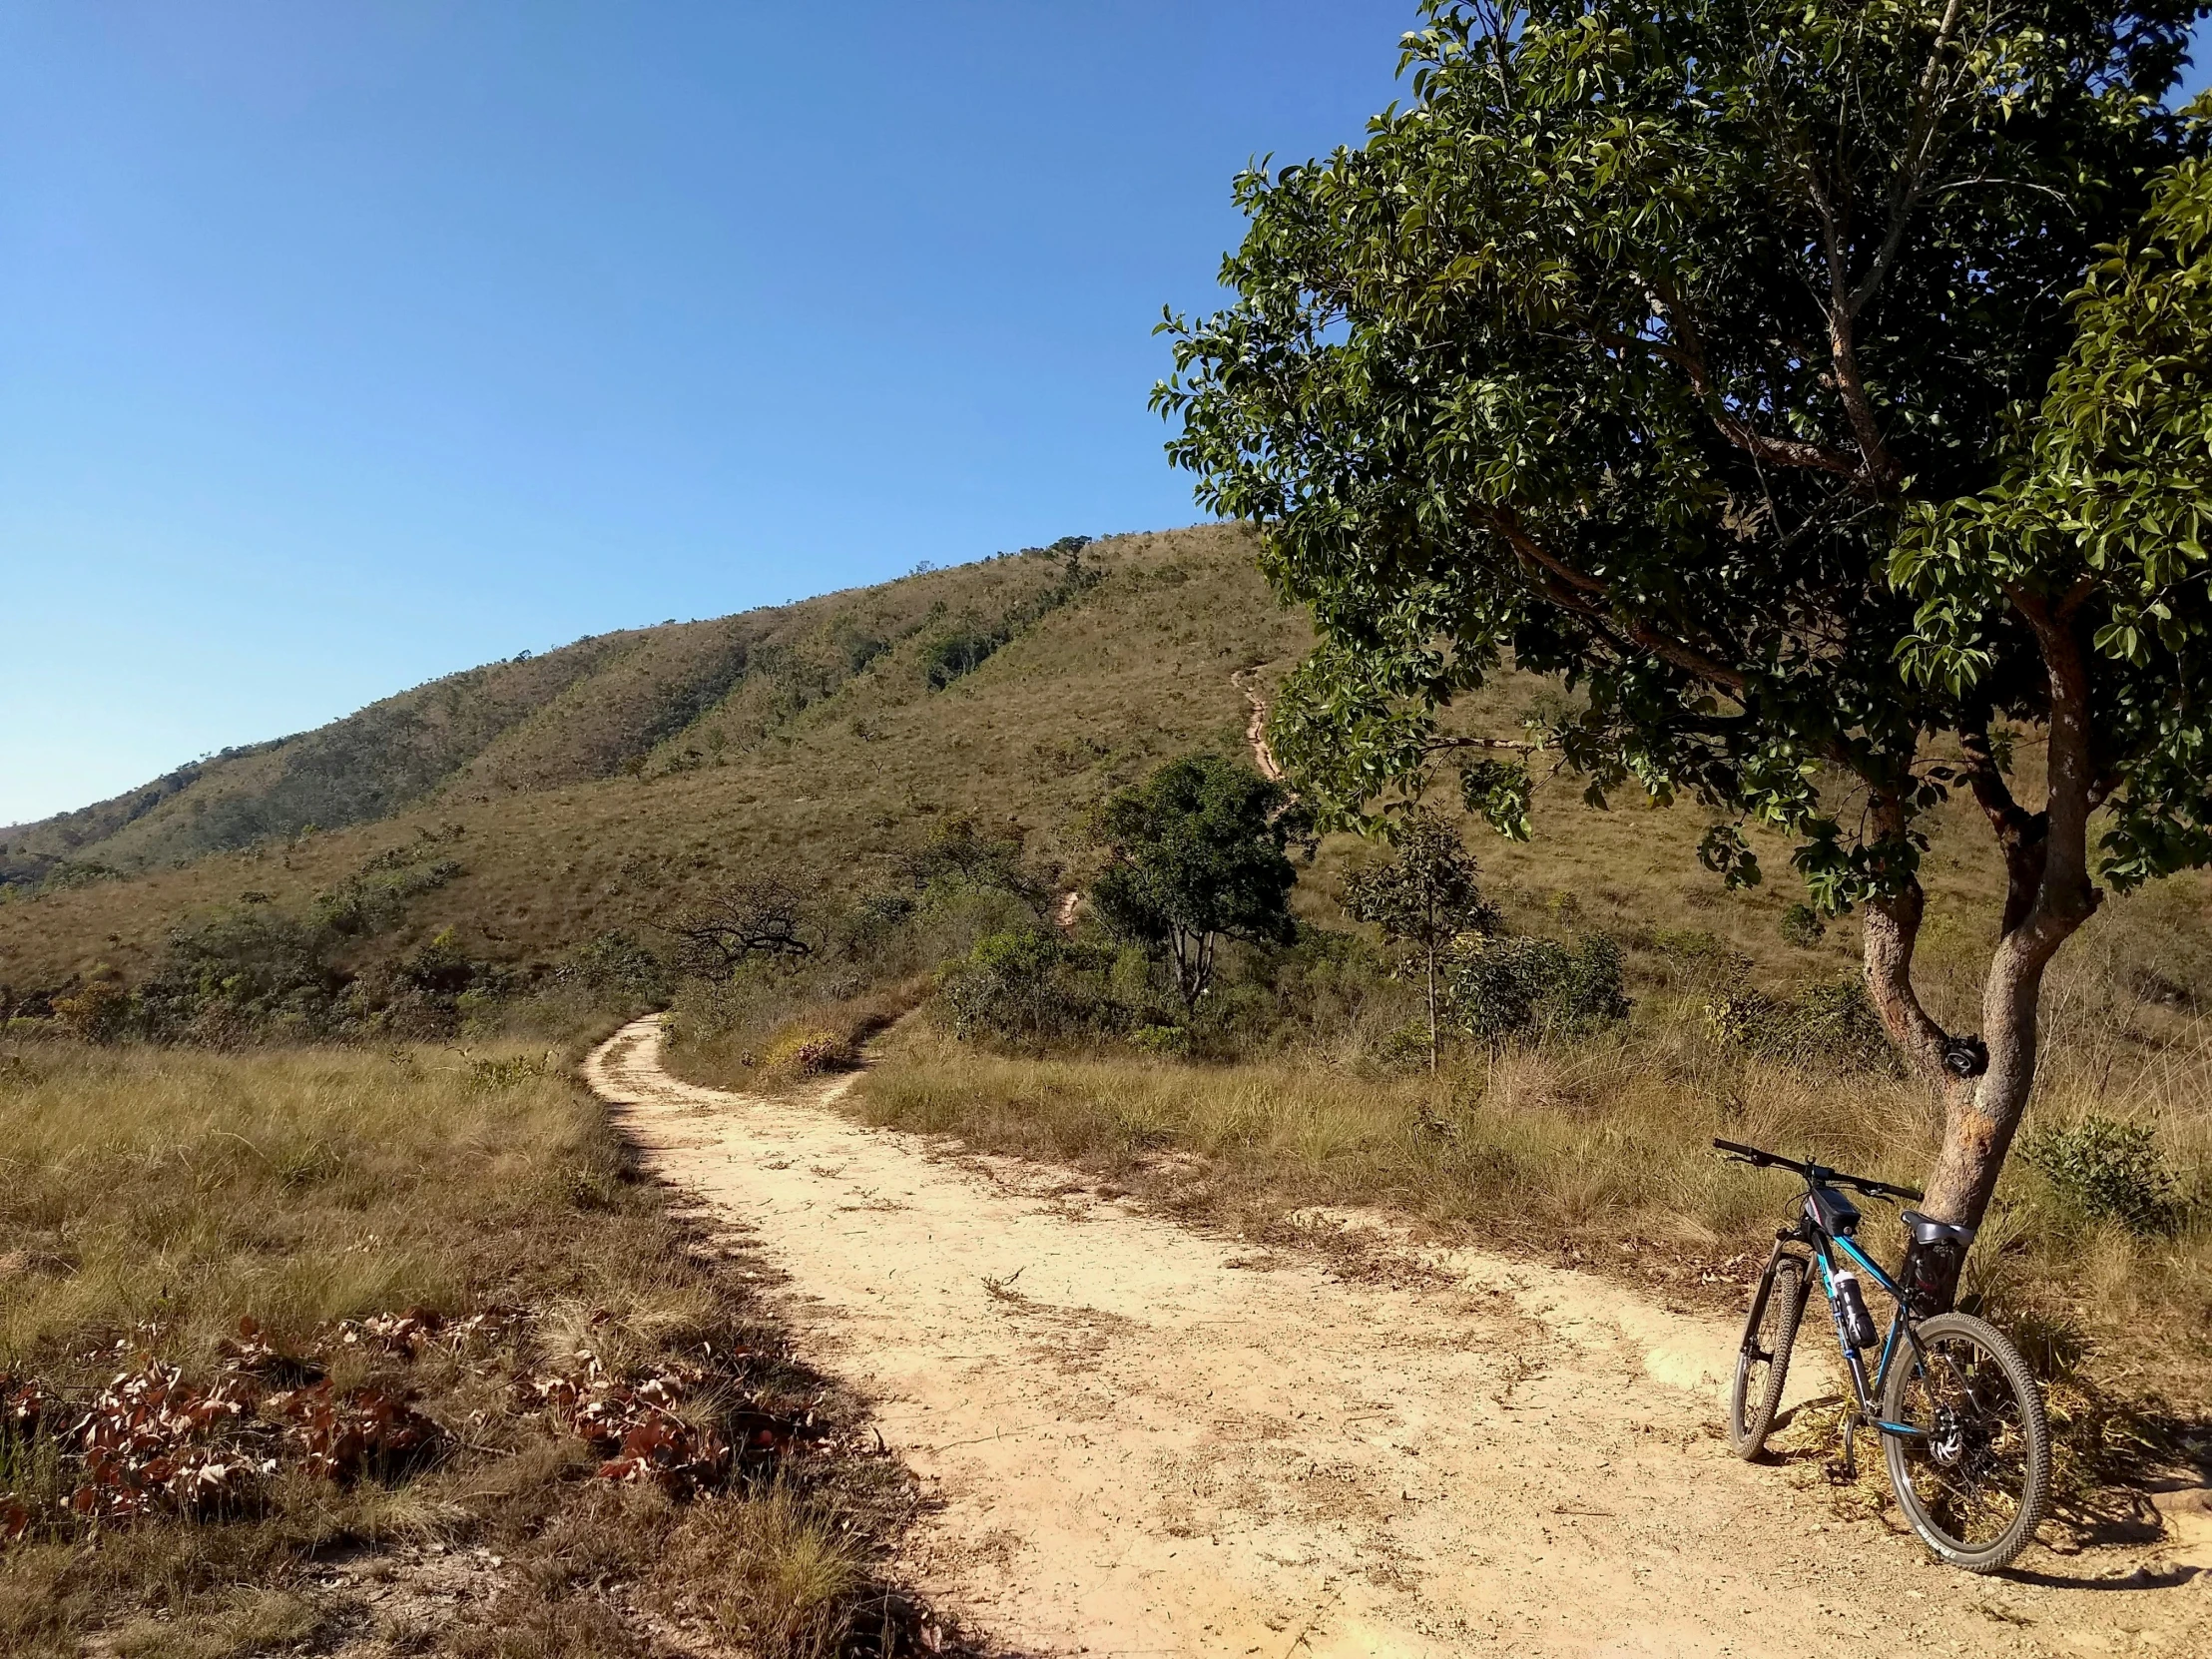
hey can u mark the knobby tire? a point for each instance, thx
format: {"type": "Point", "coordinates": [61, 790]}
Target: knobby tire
{"type": "Point", "coordinates": [1975, 1487]}
{"type": "Point", "coordinates": [1763, 1363]}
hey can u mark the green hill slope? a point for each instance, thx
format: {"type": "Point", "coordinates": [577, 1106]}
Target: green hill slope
{"type": "Point", "coordinates": [593, 782]}
{"type": "Point", "coordinates": [603, 786]}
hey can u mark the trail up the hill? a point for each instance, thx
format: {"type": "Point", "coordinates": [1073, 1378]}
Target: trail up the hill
{"type": "Point", "coordinates": [1144, 1439]}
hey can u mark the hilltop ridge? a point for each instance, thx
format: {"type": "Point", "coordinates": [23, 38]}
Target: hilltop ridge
{"type": "Point", "coordinates": [585, 711]}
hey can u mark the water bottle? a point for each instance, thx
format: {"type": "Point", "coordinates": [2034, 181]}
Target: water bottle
{"type": "Point", "coordinates": [1852, 1306]}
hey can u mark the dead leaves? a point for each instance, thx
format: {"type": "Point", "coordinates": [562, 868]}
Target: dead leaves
{"type": "Point", "coordinates": [150, 1442]}
{"type": "Point", "coordinates": [341, 1437]}
{"type": "Point", "coordinates": [633, 1425]}
{"type": "Point", "coordinates": [642, 1436]}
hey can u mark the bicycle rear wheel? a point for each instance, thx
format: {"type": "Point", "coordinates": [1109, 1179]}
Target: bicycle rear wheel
{"type": "Point", "coordinates": [1764, 1361]}
{"type": "Point", "coordinates": [1974, 1482]}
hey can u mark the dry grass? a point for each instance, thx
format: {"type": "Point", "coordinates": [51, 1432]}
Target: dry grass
{"type": "Point", "coordinates": [772, 1035]}
{"type": "Point", "coordinates": [153, 1197]}
{"type": "Point", "coordinates": [776, 1575]}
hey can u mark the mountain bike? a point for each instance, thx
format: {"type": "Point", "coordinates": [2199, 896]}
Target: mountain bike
{"type": "Point", "coordinates": [1959, 1418]}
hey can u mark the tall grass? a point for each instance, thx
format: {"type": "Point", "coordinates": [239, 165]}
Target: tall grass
{"type": "Point", "coordinates": [149, 1198]}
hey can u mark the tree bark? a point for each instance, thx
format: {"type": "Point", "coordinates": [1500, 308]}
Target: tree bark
{"type": "Point", "coordinates": [2053, 896]}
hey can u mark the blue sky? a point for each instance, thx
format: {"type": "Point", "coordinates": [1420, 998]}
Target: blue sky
{"type": "Point", "coordinates": [343, 345]}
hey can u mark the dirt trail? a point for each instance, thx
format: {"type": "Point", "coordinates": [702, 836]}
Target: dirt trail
{"type": "Point", "coordinates": [1146, 1440]}
{"type": "Point", "coordinates": [1246, 680]}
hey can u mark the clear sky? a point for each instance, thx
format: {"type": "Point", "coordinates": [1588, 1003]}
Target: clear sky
{"type": "Point", "coordinates": [345, 345]}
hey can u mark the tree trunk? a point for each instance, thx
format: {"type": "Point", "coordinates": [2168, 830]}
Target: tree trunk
{"type": "Point", "coordinates": [1432, 956]}
{"type": "Point", "coordinates": [2049, 896]}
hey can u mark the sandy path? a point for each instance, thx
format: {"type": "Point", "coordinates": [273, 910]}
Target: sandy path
{"type": "Point", "coordinates": [1152, 1442]}
{"type": "Point", "coordinates": [1255, 728]}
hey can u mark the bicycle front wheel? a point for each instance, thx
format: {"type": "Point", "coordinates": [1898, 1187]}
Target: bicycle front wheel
{"type": "Point", "coordinates": [1975, 1479]}
{"type": "Point", "coordinates": [1763, 1363]}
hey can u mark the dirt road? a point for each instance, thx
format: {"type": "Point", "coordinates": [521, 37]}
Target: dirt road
{"type": "Point", "coordinates": [1148, 1441]}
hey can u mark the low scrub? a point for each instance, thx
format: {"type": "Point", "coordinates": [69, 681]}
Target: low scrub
{"type": "Point", "coordinates": [1498, 987]}
{"type": "Point", "coordinates": [1827, 1026]}
{"type": "Point", "coordinates": [2105, 1170]}
{"type": "Point", "coordinates": [1031, 986]}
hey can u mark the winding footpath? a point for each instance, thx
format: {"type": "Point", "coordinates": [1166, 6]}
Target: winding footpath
{"type": "Point", "coordinates": [1143, 1440]}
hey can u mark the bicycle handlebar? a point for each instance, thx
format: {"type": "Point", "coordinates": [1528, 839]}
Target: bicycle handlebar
{"type": "Point", "coordinates": [1819, 1174]}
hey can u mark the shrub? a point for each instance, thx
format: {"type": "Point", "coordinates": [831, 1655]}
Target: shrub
{"type": "Point", "coordinates": [809, 1053]}
{"type": "Point", "coordinates": [1830, 1026]}
{"type": "Point", "coordinates": [1027, 985]}
{"type": "Point", "coordinates": [2108, 1171]}
{"type": "Point", "coordinates": [96, 1012]}
{"type": "Point", "coordinates": [616, 963]}
{"type": "Point", "coordinates": [1691, 956]}
{"type": "Point", "coordinates": [1501, 988]}
{"type": "Point", "coordinates": [1802, 926]}
{"type": "Point", "coordinates": [242, 970]}
{"type": "Point", "coordinates": [960, 650]}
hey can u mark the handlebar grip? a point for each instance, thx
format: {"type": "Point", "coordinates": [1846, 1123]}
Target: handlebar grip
{"type": "Point", "coordinates": [1741, 1150]}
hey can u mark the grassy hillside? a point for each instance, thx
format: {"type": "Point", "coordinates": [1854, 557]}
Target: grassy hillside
{"type": "Point", "coordinates": [600, 787]}
{"type": "Point", "coordinates": [592, 788]}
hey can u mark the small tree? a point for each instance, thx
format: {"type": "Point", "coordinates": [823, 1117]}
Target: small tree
{"type": "Point", "coordinates": [987, 857]}
{"type": "Point", "coordinates": [1197, 856]}
{"type": "Point", "coordinates": [760, 916]}
{"type": "Point", "coordinates": [1422, 899]}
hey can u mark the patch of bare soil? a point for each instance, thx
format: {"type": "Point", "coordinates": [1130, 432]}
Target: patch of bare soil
{"type": "Point", "coordinates": [1143, 1440]}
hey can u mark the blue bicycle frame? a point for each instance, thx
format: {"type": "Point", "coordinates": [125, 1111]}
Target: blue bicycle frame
{"type": "Point", "coordinates": [1825, 1244]}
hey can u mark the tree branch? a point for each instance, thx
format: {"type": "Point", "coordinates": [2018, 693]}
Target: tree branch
{"type": "Point", "coordinates": [1573, 590]}
{"type": "Point", "coordinates": [2020, 832]}
{"type": "Point", "coordinates": [1890, 932]}
{"type": "Point", "coordinates": [1920, 152]}
{"type": "Point", "coordinates": [1689, 355]}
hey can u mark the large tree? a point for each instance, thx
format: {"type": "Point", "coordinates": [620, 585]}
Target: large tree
{"type": "Point", "coordinates": [1635, 348]}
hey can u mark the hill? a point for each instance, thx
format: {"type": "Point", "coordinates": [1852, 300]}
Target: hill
{"type": "Point", "coordinates": [589, 784]}
{"type": "Point", "coordinates": [598, 787]}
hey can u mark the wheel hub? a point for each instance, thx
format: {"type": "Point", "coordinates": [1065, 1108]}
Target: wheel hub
{"type": "Point", "coordinates": [1947, 1442]}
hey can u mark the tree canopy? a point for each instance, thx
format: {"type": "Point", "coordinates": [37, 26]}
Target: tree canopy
{"type": "Point", "coordinates": [1197, 855]}
{"type": "Point", "coordinates": [1639, 347]}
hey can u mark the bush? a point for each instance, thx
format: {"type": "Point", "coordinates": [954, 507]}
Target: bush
{"type": "Point", "coordinates": [1026, 985]}
{"type": "Point", "coordinates": [1691, 957]}
{"type": "Point", "coordinates": [958, 652]}
{"type": "Point", "coordinates": [809, 1053]}
{"type": "Point", "coordinates": [616, 963]}
{"type": "Point", "coordinates": [2108, 1171]}
{"type": "Point", "coordinates": [1502, 987]}
{"type": "Point", "coordinates": [96, 1012]}
{"type": "Point", "coordinates": [1831, 1026]}
{"type": "Point", "coordinates": [1802, 926]}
